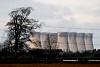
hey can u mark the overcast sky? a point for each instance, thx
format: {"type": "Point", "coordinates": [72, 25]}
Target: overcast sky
{"type": "Point", "coordinates": [59, 15]}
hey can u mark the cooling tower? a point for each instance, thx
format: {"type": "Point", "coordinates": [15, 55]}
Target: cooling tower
{"type": "Point", "coordinates": [62, 41]}
{"type": "Point", "coordinates": [35, 40]}
{"type": "Point", "coordinates": [44, 40]}
{"type": "Point", "coordinates": [88, 41]}
{"type": "Point", "coordinates": [53, 40]}
{"type": "Point", "coordinates": [72, 42]}
{"type": "Point", "coordinates": [80, 42]}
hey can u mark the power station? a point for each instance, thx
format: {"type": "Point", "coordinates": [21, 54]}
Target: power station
{"type": "Point", "coordinates": [67, 41]}
{"type": "Point", "coordinates": [80, 42]}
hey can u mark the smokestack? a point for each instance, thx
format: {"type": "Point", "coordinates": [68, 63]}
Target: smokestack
{"type": "Point", "coordinates": [62, 41]}
{"type": "Point", "coordinates": [80, 42]}
{"type": "Point", "coordinates": [53, 40]}
{"type": "Point", "coordinates": [35, 40]}
{"type": "Point", "coordinates": [44, 40]}
{"type": "Point", "coordinates": [72, 42]}
{"type": "Point", "coordinates": [88, 41]}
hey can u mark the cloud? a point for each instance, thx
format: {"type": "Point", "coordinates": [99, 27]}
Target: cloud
{"type": "Point", "coordinates": [46, 11]}
{"type": "Point", "coordinates": [86, 3]}
{"type": "Point", "coordinates": [3, 22]}
{"type": "Point", "coordinates": [97, 12]}
{"type": "Point", "coordinates": [85, 18]}
{"type": "Point", "coordinates": [83, 11]}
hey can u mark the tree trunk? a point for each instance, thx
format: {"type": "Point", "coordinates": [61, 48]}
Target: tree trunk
{"type": "Point", "coordinates": [16, 37]}
{"type": "Point", "coordinates": [16, 47]}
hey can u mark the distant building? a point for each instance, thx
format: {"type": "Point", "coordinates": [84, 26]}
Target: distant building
{"type": "Point", "coordinates": [67, 41]}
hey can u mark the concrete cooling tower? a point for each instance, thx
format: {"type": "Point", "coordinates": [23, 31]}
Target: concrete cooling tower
{"type": "Point", "coordinates": [44, 40]}
{"type": "Point", "coordinates": [88, 41]}
{"type": "Point", "coordinates": [62, 41]}
{"type": "Point", "coordinates": [53, 40]}
{"type": "Point", "coordinates": [67, 41]}
{"type": "Point", "coordinates": [72, 42]}
{"type": "Point", "coordinates": [80, 42]}
{"type": "Point", "coordinates": [35, 40]}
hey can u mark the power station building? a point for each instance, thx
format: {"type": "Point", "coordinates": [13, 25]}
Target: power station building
{"type": "Point", "coordinates": [67, 41]}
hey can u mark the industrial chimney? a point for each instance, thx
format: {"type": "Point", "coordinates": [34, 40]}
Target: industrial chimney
{"type": "Point", "coordinates": [44, 40]}
{"type": "Point", "coordinates": [62, 41]}
{"type": "Point", "coordinates": [72, 41]}
{"type": "Point", "coordinates": [80, 42]}
{"type": "Point", "coordinates": [88, 41]}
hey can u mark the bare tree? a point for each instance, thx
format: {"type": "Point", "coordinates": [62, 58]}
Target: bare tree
{"type": "Point", "coordinates": [19, 27]}
{"type": "Point", "coordinates": [52, 40]}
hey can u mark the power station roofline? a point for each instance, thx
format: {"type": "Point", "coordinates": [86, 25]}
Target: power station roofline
{"type": "Point", "coordinates": [62, 32]}
{"type": "Point", "coordinates": [44, 32]}
{"type": "Point", "coordinates": [80, 33]}
{"type": "Point", "coordinates": [53, 33]}
{"type": "Point", "coordinates": [72, 32]}
{"type": "Point", "coordinates": [88, 33]}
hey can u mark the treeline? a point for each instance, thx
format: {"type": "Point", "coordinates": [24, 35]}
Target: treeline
{"type": "Point", "coordinates": [47, 56]}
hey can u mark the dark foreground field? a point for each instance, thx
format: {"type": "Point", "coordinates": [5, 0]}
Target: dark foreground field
{"type": "Point", "coordinates": [49, 56]}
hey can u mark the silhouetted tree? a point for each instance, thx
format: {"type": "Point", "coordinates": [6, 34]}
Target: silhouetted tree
{"type": "Point", "coordinates": [19, 27]}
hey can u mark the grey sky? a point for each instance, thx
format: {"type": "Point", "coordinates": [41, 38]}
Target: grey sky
{"type": "Point", "coordinates": [59, 13]}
